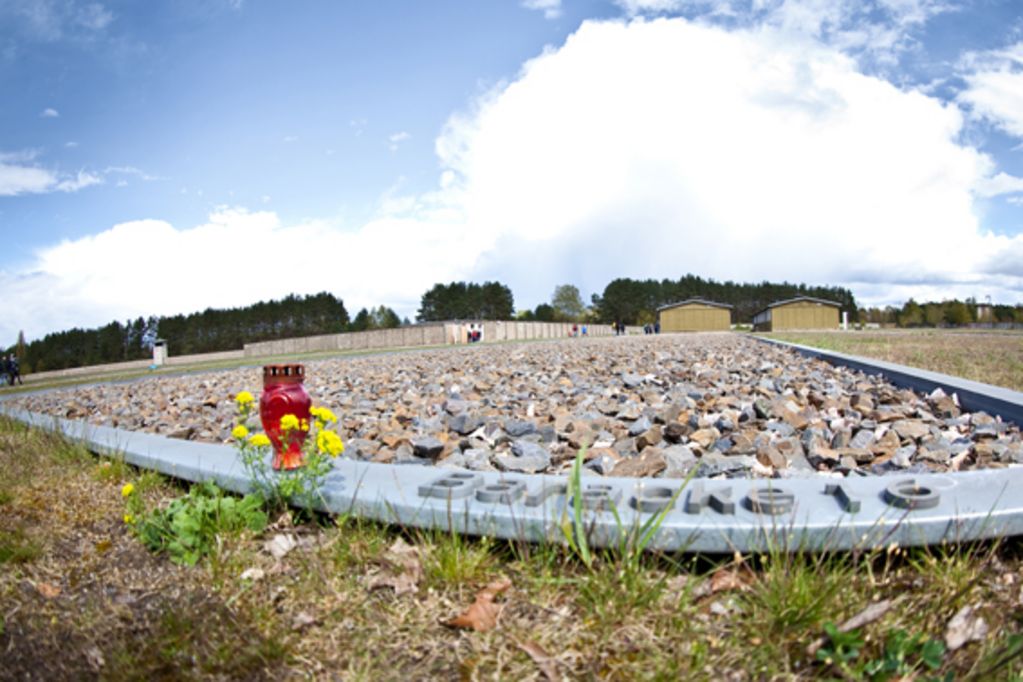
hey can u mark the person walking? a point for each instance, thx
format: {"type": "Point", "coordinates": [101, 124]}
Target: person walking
{"type": "Point", "coordinates": [13, 370]}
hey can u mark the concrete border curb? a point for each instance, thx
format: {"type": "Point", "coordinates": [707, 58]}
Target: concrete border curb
{"type": "Point", "coordinates": [714, 516]}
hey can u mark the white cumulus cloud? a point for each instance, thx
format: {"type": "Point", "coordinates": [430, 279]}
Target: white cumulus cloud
{"type": "Point", "coordinates": [49, 113]}
{"type": "Point", "coordinates": [994, 87]}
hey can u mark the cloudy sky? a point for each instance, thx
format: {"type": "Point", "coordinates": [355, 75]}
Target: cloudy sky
{"type": "Point", "coordinates": [158, 158]}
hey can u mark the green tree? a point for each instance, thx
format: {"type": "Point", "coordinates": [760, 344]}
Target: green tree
{"type": "Point", "coordinates": [912, 314]}
{"type": "Point", "coordinates": [567, 303]}
{"type": "Point", "coordinates": [466, 301]}
{"type": "Point", "coordinates": [544, 313]}
{"type": "Point", "coordinates": [362, 322]}
{"type": "Point", "coordinates": [385, 318]}
{"type": "Point", "coordinates": [957, 313]}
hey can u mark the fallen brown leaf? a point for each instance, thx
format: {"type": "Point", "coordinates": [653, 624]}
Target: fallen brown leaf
{"type": "Point", "coordinates": [47, 590]}
{"type": "Point", "coordinates": [302, 620]}
{"type": "Point", "coordinates": [543, 660]}
{"type": "Point", "coordinates": [402, 560]}
{"type": "Point", "coordinates": [726, 579]}
{"type": "Point", "coordinates": [965, 627]}
{"type": "Point", "coordinates": [94, 656]}
{"type": "Point", "coordinates": [280, 545]}
{"type": "Point", "coordinates": [482, 614]}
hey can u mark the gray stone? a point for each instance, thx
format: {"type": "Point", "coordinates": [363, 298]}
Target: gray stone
{"type": "Point", "coordinates": [639, 426]}
{"type": "Point", "coordinates": [517, 428]}
{"type": "Point", "coordinates": [602, 463]}
{"type": "Point", "coordinates": [781, 428]}
{"type": "Point", "coordinates": [715, 464]}
{"type": "Point", "coordinates": [464, 424]}
{"type": "Point", "coordinates": [454, 406]}
{"type": "Point", "coordinates": [529, 449]}
{"type": "Point", "coordinates": [632, 380]}
{"type": "Point", "coordinates": [427, 446]}
{"type": "Point", "coordinates": [863, 439]}
{"type": "Point", "coordinates": [523, 465]}
{"type": "Point", "coordinates": [938, 451]}
{"type": "Point", "coordinates": [679, 461]}
{"type": "Point", "coordinates": [903, 457]}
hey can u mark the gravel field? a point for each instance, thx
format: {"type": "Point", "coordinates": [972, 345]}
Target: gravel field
{"type": "Point", "coordinates": [723, 404]}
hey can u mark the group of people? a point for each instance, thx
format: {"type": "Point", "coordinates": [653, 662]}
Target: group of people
{"type": "Point", "coordinates": [619, 328]}
{"type": "Point", "coordinates": [576, 329]}
{"type": "Point", "coordinates": [9, 370]}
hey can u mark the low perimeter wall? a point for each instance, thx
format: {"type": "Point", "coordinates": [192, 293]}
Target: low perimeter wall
{"type": "Point", "coordinates": [134, 365]}
{"type": "Point", "coordinates": [443, 334]}
{"type": "Point", "coordinates": [440, 334]}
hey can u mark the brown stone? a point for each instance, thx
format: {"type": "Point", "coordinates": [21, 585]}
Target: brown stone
{"type": "Point", "coordinates": [741, 444]}
{"type": "Point", "coordinates": [910, 429]}
{"type": "Point", "coordinates": [393, 440]}
{"type": "Point", "coordinates": [383, 456]}
{"type": "Point", "coordinates": [705, 437]}
{"type": "Point", "coordinates": [770, 457]}
{"type": "Point", "coordinates": [861, 455]}
{"type": "Point", "coordinates": [651, 436]}
{"type": "Point", "coordinates": [796, 420]}
{"type": "Point", "coordinates": [581, 438]}
{"type": "Point", "coordinates": [650, 463]}
{"type": "Point", "coordinates": [673, 432]}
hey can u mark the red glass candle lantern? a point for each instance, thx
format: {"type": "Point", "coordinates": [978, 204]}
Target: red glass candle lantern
{"type": "Point", "coordinates": [283, 393]}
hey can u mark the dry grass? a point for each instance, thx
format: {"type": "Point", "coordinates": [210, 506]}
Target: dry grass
{"type": "Point", "coordinates": [991, 357]}
{"type": "Point", "coordinates": [83, 599]}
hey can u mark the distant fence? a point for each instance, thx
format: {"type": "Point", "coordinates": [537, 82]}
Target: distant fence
{"type": "Point", "coordinates": [420, 335]}
{"type": "Point", "coordinates": [441, 334]}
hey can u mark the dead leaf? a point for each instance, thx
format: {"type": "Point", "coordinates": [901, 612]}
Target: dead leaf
{"type": "Point", "coordinates": [95, 658]}
{"type": "Point", "coordinates": [482, 614]}
{"type": "Point", "coordinates": [252, 574]}
{"type": "Point", "coordinates": [964, 627]}
{"type": "Point", "coordinates": [547, 665]}
{"type": "Point", "coordinates": [864, 617]}
{"type": "Point", "coordinates": [729, 579]}
{"type": "Point", "coordinates": [280, 545]}
{"type": "Point", "coordinates": [47, 590]}
{"type": "Point", "coordinates": [302, 620]}
{"type": "Point", "coordinates": [402, 560]}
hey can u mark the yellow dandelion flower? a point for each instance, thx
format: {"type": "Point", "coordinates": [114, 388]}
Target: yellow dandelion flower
{"type": "Point", "coordinates": [289, 422]}
{"type": "Point", "coordinates": [127, 490]}
{"type": "Point", "coordinates": [324, 414]}
{"type": "Point", "coordinates": [128, 518]}
{"type": "Point", "coordinates": [330, 443]}
{"type": "Point", "coordinates": [244, 398]}
{"type": "Point", "coordinates": [239, 432]}
{"type": "Point", "coordinates": [259, 440]}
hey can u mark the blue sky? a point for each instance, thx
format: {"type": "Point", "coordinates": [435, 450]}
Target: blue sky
{"type": "Point", "coordinates": [158, 158]}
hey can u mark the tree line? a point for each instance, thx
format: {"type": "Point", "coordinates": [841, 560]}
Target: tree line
{"type": "Point", "coordinates": [202, 332]}
{"type": "Point", "coordinates": [951, 313]}
{"type": "Point", "coordinates": [636, 301]}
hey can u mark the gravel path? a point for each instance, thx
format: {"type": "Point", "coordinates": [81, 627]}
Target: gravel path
{"type": "Point", "coordinates": [646, 406]}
